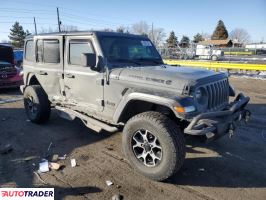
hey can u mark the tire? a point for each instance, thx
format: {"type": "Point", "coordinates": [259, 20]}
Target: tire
{"type": "Point", "coordinates": [214, 58]}
{"type": "Point", "coordinates": [169, 137]}
{"type": "Point", "coordinates": [36, 104]}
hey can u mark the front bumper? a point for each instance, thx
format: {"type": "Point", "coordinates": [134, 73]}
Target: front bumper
{"type": "Point", "coordinates": [13, 82]}
{"type": "Point", "coordinates": [216, 124]}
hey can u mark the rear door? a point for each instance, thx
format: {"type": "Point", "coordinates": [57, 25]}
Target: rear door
{"type": "Point", "coordinates": [83, 86]}
{"type": "Point", "coordinates": [49, 64]}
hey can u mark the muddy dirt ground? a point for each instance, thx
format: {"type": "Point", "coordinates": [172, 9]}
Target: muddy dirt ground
{"type": "Point", "coordinates": [225, 169]}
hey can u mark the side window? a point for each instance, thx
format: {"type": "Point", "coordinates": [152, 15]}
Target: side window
{"type": "Point", "coordinates": [51, 51]}
{"type": "Point", "coordinates": [48, 51]}
{"type": "Point", "coordinates": [29, 52]}
{"type": "Point", "coordinates": [77, 48]}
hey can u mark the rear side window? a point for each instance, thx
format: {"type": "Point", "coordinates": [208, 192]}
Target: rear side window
{"type": "Point", "coordinates": [48, 51]}
{"type": "Point", "coordinates": [77, 48]}
{"type": "Point", "coordinates": [29, 52]}
{"type": "Point", "coordinates": [51, 51]}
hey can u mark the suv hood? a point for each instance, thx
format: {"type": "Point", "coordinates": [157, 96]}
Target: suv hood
{"type": "Point", "coordinates": [163, 76]}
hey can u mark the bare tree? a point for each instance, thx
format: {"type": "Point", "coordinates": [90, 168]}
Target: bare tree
{"type": "Point", "coordinates": [141, 28]}
{"type": "Point", "coordinates": [206, 36]}
{"type": "Point", "coordinates": [121, 29]}
{"type": "Point", "coordinates": [69, 28]}
{"type": "Point", "coordinates": [157, 36]}
{"type": "Point", "coordinates": [240, 34]}
{"type": "Point", "coordinates": [47, 30]}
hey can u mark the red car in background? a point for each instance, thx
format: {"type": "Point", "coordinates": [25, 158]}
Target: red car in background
{"type": "Point", "coordinates": [10, 75]}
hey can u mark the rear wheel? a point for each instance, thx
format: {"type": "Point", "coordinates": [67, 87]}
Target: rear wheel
{"type": "Point", "coordinates": [154, 145]}
{"type": "Point", "coordinates": [36, 104]}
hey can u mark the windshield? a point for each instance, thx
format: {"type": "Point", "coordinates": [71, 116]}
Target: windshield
{"type": "Point", "coordinates": [133, 50]}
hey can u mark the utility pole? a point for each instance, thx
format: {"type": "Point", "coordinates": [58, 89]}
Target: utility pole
{"type": "Point", "coordinates": [58, 20]}
{"type": "Point", "coordinates": [35, 26]}
{"type": "Point", "coordinates": [152, 33]}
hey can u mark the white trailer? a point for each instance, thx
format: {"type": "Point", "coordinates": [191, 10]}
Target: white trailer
{"type": "Point", "coordinates": [207, 52]}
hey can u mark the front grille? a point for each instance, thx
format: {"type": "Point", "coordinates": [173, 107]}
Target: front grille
{"type": "Point", "coordinates": [7, 73]}
{"type": "Point", "coordinates": [218, 94]}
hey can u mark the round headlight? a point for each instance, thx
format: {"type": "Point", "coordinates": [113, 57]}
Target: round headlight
{"type": "Point", "coordinates": [201, 95]}
{"type": "Point", "coordinates": [198, 94]}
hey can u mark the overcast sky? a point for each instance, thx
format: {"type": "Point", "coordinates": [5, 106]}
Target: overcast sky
{"type": "Point", "coordinates": [184, 17]}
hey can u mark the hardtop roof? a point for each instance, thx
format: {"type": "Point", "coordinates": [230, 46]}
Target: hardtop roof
{"type": "Point", "coordinates": [98, 33]}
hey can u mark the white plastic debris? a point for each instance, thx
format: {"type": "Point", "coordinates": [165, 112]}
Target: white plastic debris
{"type": "Point", "coordinates": [73, 162]}
{"type": "Point", "coordinates": [62, 157]}
{"type": "Point", "coordinates": [55, 166]}
{"type": "Point", "coordinates": [44, 166]}
{"type": "Point", "coordinates": [201, 169]}
{"type": "Point", "coordinates": [109, 183]}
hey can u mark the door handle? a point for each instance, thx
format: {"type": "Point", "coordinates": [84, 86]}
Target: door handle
{"type": "Point", "coordinates": [42, 73]}
{"type": "Point", "coordinates": [68, 75]}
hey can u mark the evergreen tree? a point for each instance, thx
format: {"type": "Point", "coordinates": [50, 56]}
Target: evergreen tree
{"type": "Point", "coordinates": [220, 32]}
{"type": "Point", "coordinates": [17, 35]}
{"type": "Point", "coordinates": [172, 40]}
{"type": "Point", "coordinates": [198, 38]}
{"type": "Point", "coordinates": [184, 41]}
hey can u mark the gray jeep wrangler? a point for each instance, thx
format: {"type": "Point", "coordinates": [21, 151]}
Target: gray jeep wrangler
{"type": "Point", "coordinates": [113, 81]}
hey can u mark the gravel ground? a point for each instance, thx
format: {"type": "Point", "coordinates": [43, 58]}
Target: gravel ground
{"type": "Point", "coordinates": [224, 169]}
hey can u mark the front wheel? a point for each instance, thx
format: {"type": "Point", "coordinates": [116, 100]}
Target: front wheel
{"type": "Point", "coordinates": [154, 145]}
{"type": "Point", "coordinates": [36, 104]}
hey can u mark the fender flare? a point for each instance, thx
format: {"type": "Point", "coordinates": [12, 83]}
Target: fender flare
{"type": "Point", "coordinates": [168, 102]}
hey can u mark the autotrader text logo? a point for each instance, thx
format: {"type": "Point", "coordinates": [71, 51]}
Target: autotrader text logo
{"type": "Point", "coordinates": [27, 193]}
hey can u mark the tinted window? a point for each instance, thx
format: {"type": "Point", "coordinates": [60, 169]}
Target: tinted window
{"type": "Point", "coordinates": [29, 54]}
{"type": "Point", "coordinates": [51, 51]}
{"type": "Point", "coordinates": [77, 48]}
{"type": "Point", "coordinates": [48, 51]}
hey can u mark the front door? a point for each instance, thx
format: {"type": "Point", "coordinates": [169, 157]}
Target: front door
{"type": "Point", "coordinates": [83, 86]}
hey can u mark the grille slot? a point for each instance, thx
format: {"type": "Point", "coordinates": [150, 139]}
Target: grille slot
{"type": "Point", "coordinates": [218, 94]}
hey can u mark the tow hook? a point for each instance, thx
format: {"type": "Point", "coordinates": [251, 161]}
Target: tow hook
{"type": "Point", "coordinates": [231, 130]}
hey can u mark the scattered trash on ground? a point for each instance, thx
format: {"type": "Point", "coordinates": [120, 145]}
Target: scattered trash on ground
{"type": "Point", "coordinates": [109, 183]}
{"type": "Point", "coordinates": [55, 157]}
{"type": "Point", "coordinates": [44, 166]}
{"type": "Point", "coordinates": [5, 148]}
{"type": "Point", "coordinates": [62, 157]}
{"type": "Point", "coordinates": [201, 169]}
{"type": "Point", "coordinates": [27, 120]}
{"type": "Point", "coordinates": [73, 162]}
{"type": "Point", "coordinates": [3, 119]}
{"type": "Point", "coordinates": [55, 166]}
{"type": "Point", "coordinates": [117, 197]}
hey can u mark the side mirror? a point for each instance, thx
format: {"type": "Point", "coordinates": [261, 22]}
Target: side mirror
{"type": "Point", "coordinates": [88, 60]}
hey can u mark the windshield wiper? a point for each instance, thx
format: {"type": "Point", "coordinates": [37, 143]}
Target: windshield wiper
{"type": "Point", "coordinates": [126, 60]}
{"type": "Point", "coordinates": [156, 61]}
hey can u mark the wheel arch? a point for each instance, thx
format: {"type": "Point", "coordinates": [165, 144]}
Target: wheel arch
{"type": "Point", "coordinates": [136, 103]}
